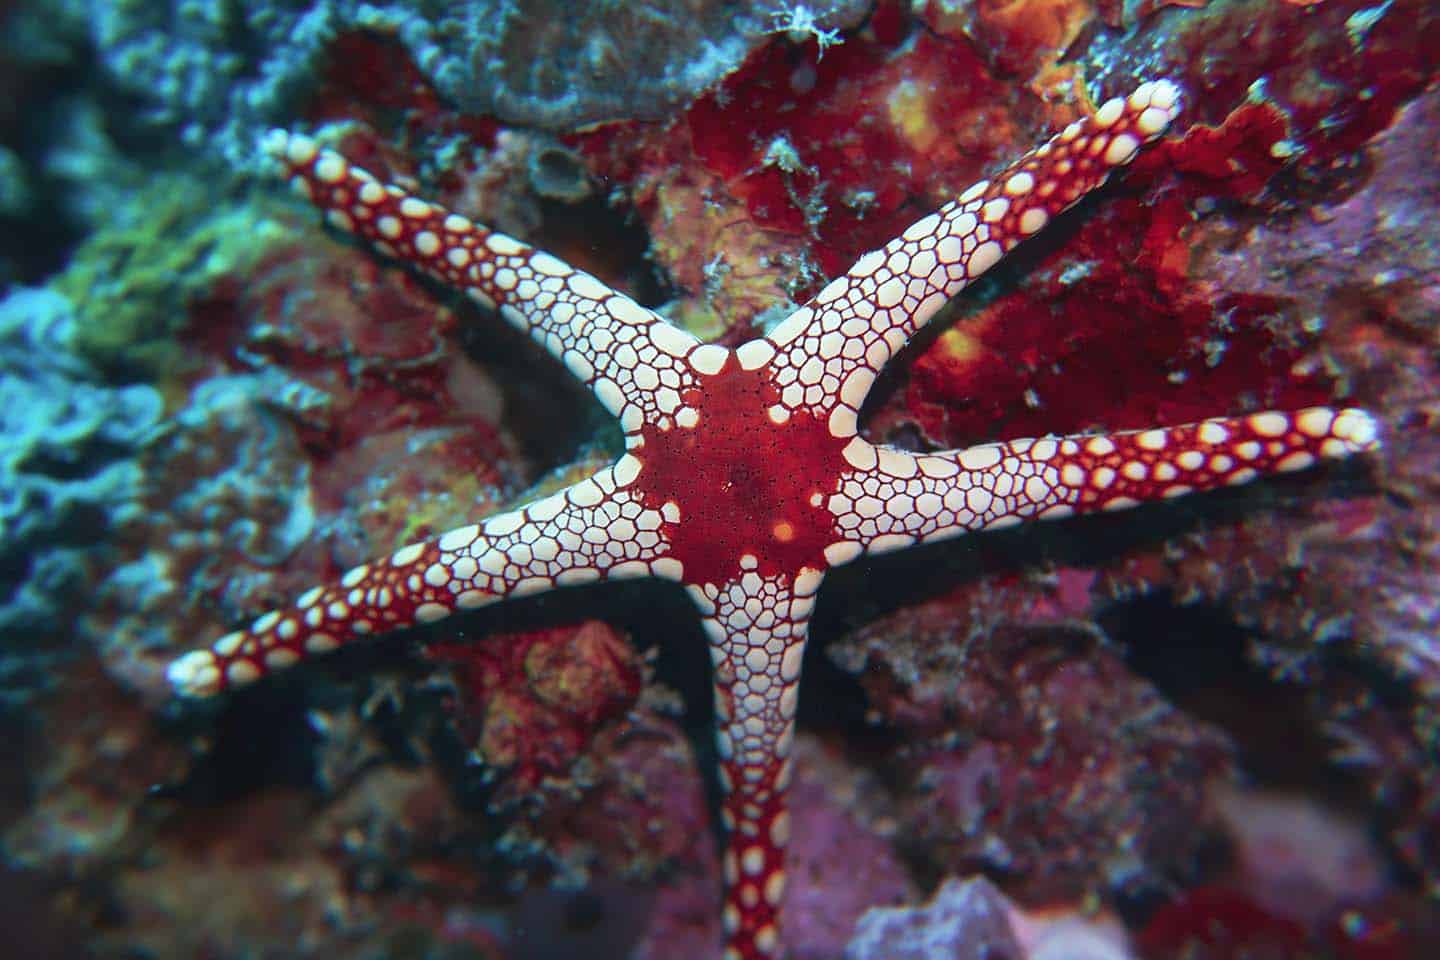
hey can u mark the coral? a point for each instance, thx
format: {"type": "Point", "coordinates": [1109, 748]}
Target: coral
{"type": "Point", "coordinates": [1300, 880]}
{"type": "Point", "coordinates": [214, 880]}
{"type": "Point", "coordinates": [971, 918]}
{"type": "Point", "coordinates": [136, 279]}
{"type": "Point", "coordinates": [531, 706]}
{"type": "Point", "coordinates": [65, 174]}
{"type": "Point", "coordinates": [1298, 860]}
{"type": "Point", "coordinates": [1374, 247]}
{"type": "Point", "coordinates": [835, 883]}
{"type": "Point", "coordinates": [227, 498]}
{"type": "Point", "coordinates": [91, 780]}
{"type": "Point", "coordinates": [1309, 61]}
{"type": "Point", "coordinates": [631, 808]}
{"type": "Point", "coordinates": [68, 477]}
{"type": "Point", "coordinates": [566, 68]}
{"type": "Point", "coordinates": [292, 445]}
{"type": "Point", "coordinates": [1020, 38]}
{"type": "Point", "coordinates": [767, 185]}
{"type": "Point", "coordinates": [1203, 344]}
{"type": "Point", "coordinates": [1333, 586]}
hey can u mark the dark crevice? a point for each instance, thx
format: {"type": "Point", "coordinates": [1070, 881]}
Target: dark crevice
{"type": "Point", "coordinates": [608, 240]}
{"type": "Point", "coordinates": [15, 568]}
{"type": "Point", "coordinates": [35, 923]}
{"type": "Point", "coordinates": [259, 737]}
{"type": "Point", "coordinates": [548, 413]}
{"type": "Point", "coordinates": [77, 462]}
{"type": "Point", "coordinates": [38, 237]}
{"type": "Point", "coordinates": [1199, 658]}
{"type": "Point", "coordinates": [550, 416]}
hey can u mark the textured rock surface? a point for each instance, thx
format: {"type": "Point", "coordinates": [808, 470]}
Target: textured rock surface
{"type": "Point", "coordinates": [1333, 587]}
{"type": "Point", "coordinates": [1031, 752]}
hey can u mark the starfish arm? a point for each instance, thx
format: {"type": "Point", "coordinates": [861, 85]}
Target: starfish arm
{"type": "Point", "coordinates": [829, 351]}
{"type": "Point", "coordinates": [893, 499]}
{"type": "Point", "coordinates": [757, 627]}
{"type": "Point", "coordinates": [635, 363]}
{"type": "Point", "coordinates": [593, 530]}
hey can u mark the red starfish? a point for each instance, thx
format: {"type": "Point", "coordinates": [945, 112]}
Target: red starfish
{"type": "Point", "coordinates": [744, 477]}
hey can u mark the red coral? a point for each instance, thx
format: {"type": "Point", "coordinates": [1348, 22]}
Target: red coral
{"type": "Point", "coordinates": [1339, 75]}
{"type": "Point", "coordinates": [831, 156]}
{"type": "Point", "coordinates": [1236, 158]}
{"type": "Point", "coordinates": [530, 703]}
{"type": "Point", "coordinates": [1218, 924]}
{"type": "Point", "coordinates": [1018, 37]}
{"type": "Point", "coordinates": [371, 78]}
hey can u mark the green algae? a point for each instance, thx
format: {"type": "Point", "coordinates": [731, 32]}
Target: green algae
{"type": "Point", "coordinates": [136, 281]}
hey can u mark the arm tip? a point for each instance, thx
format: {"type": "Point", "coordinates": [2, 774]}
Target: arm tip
{"type": "Point", "coordinates": [1357, 429]}
{"type": "Point", "coordinates": [194, 675]}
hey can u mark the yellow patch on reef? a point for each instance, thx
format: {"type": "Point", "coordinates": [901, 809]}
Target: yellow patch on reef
{"type": "Point", "coordinates": [710, 243]}
{"type": "Point", "coordinates": [454, 504]}
{"type": "Point", "coordinates": [908, 106]}
{"type": "Point", "coordinates": [428, 513]}
{"type": "Point", "coordinates": [959, 346]}
{"type": "Point", "coordinates": [1045, 27]}
{"type": "Point", "coordinates": [160, 251]}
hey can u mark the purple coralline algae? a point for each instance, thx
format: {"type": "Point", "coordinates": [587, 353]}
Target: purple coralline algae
{"type": "Point", "coordinates": [1003, 715]}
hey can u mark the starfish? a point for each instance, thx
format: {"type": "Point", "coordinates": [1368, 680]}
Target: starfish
{"type": "Point", "coordinates": [744, 475]}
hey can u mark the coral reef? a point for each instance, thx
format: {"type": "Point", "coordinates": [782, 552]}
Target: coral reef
{"type": "Point", "coordinates": [68, 480]}
{"type": "Point", "coordinates": [134, 280]}
{"type": "Point", "coordinates": [1137, 728]}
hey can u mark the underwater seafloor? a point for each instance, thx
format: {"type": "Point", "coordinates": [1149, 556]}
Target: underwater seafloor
{"type": "Point", "coordinates": [1204, 729]}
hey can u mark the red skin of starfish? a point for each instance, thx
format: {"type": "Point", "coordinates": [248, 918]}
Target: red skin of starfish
{"type": "Point", "coordinates": [745, 478]}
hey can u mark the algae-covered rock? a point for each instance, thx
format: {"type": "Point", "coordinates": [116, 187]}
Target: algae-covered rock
{"type": "Point", "coordinates": [135, 280]}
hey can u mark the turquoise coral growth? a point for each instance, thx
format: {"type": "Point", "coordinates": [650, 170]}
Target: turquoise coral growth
{"type": "Point", "coordinates": [68, 478]}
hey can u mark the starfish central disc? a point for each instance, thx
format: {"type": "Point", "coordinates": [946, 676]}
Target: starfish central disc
{"type": "Point", "coordinates": [750, 477]}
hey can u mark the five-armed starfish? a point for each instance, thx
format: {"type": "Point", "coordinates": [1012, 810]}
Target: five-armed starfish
{"type": "Point", "coordinates": [744, 477]}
